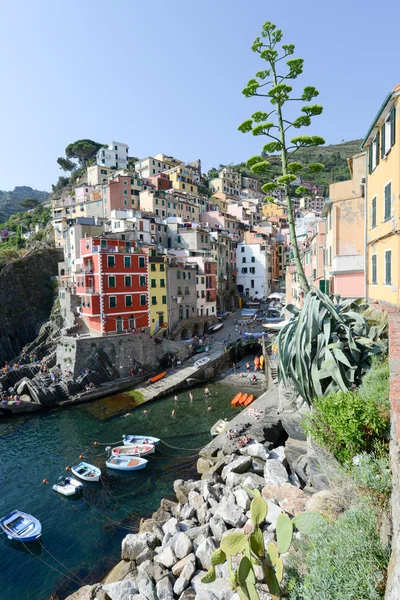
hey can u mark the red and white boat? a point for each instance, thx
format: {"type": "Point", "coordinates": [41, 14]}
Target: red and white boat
{"type": "Point", "coordinates": [137, 450]}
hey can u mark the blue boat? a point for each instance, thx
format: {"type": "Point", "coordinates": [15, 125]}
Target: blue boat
{"type": "Point", "coordinates": [126, 463]}
{"type": "Point", "coordinates": [21, 526]}
{"type": "Point", "coordinates": [254, 335]}
{"type": "Point", "coordinates": [133, 440]}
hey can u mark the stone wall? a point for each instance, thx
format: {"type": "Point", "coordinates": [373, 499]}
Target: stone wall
{"type": "Point", "coordinates": [393, 582]}
{"type": "Point", "coordinates": [118, 353]}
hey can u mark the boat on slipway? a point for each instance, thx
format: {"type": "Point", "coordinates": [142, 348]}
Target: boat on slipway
{"type": "Point", "coordinates": [138, 450]}
{"type": "Point", "coordinates": [218, 427]}
{"type": "Point", "coordinates": [86, 472]}
{"type": "Point", "coordinates": [67, 486]}
{"type": "Point", "coordinates": [126, 463]}
{"type": "Point", "coordinates": [201, 361]}
{"type": "Point", "coordinates": [20, 526]}
{"type": "Point", "coordinates": [215, 328]}
{"type": "Point", "coordinates": [134, 440]}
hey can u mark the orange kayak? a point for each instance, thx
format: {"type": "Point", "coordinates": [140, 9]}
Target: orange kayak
{"type": "Point", "coordinates": [157, 377]}
{"type": "Point", "coordinates": [249, 400]}
{"type": "Point", "coordinates": [236, 399]}
{"type": "Point", "coordinates": [243, 398]}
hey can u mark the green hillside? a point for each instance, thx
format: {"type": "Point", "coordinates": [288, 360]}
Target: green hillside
{"type": "Point", "coordinates": [333, 157]}
{"type": "Point", "coordinates": [10, 202]}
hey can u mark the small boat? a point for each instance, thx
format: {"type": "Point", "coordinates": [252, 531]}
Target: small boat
{"type": "Point", "coordinates": [156, 378]}
{"type": "Point", "coordinates": [126, 463]}
{"type": "Point", "coordinates": [138, 450]}
{"type": "Point", "coordinates": [275, 326]}
{"type": "Point", "coordinates": [200, 349]}
{"type": "Point", "coordinates": [249, 400]}
{"type": "Point", "coordinates": [243, 399]}
{"type": "Point", "coordinates": [202, 361]}
{"type": "Point", "coordinates": [67, 486]}
{"type": "Point", "coordinates": [236, 399]}
{"type": "Point", "coordinates": [21, 526]}
{"type": "Point", "coordinates": [86, 472]}
{"type": "Point", "coordinates": [134, 440]}
{"type": "Point", "coordinates": [255, 335]}
{"type": "Point", "coordinates": [218, 427]}
{"type": "Point", "coordinates": [215, 328]}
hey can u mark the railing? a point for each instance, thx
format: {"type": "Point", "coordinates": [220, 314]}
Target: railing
{"type": "Point", "coordinates": [118, 249]}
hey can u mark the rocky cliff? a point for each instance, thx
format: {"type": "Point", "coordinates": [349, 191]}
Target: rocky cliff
{"type": "Point", "coordinates": [26, 299]}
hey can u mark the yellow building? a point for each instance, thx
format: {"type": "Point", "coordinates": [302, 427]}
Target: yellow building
{"type": "Point", "coordinates": [382, 145]}
{"type": "Point", "coordinates": [182, 179]}
{"type": "Point", "coordinates": [166, 205]}
{"type": "Point", "coordinates": [221, 201]}
{"type": "Point", "coordinates": [270, 209]}
{"type": "Point", "coordinates": [158, 294]}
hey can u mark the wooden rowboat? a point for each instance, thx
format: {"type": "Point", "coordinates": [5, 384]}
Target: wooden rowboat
{"type": "Point", "coordinates": [138, 450]}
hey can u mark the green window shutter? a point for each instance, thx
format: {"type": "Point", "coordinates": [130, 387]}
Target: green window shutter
{"type": "Point", "coordinates": [383, 140]}
{"type": "Point", "coordinates": [392, 126]}
{"type": "Point", "coordinates": [388, 201]}
{"type": "Point", "coordinates": [373, 213]}
{"type": "Point", "coordinates": [369, 160]}
{"type": "Point", "coordinates": [377, 148]}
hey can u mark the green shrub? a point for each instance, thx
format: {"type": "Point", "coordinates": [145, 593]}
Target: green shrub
{"type": "Point", "coordinates": [343, 560]}
{"type": "Point", "coordinates": [373, 472]}
{"type": "Point", "coordinates": [347, 424]}
{"type": "Point", "coordinates": [375, 384]}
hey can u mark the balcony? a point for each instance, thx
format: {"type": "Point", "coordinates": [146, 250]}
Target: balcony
{"type": "Point", "coordinates": [348, 264]}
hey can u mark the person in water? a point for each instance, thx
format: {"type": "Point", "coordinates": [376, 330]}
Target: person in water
{"type": "Point", "coordinates": [175, 398]}
{"type": "Point", "coordinates": [209, 408]}
{"type": "Point", "coordinates": [191, 396]}
{"type": "Point", "coordinates": [207, 392]}
{"type": "Point", "coordinates": [174, 413]}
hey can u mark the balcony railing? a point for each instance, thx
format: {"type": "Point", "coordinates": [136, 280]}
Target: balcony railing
{"type": "Point", "coordinates": [118, 249]}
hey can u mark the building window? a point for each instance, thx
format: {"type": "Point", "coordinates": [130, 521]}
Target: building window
{"type": "Point", "coordinates": [252, 283]}
{"type": "Point", "coordinates": [128, 300]}
{"type": "Point", "coordinates": [111, 282]}
{"type": "Point", "coordinates": [162, 267]}
{"type": "Point", "coordinates": [127, 261]}
{"type": "Point", "coordinates": [154, 300]}
{"type": "Point", "coordinates": [111, 261]}
{"type": "Point", "coordinates": [142, 281]}
{"type": "Point", "coordinates": [330, 255]}
{"type": "Point", "coordinates": [142, 299]}
{"type": "Point", "coordinates": [103, 243]}
{"type": "Point", "coordinates": [243, 259]}
{"type": "Point", "coordinates": [187, 291]}
{"type": "Point", "coordinates": [112, 301]}
{"type": "Point", "coordinates": [244, 269]}
{"type": "Point", "coordinates": [253, 259]}
{"type": "Point", "coordinates": [178, 274]}
{"type": "Point", "coordinates": [374, 153]}
{"type": "Point", "coordinates": [142, 262]}
{"type": "Point", "coordinates": [373, 213]}
{"type": "Point", "coordinates": [153, 267]}
{"type": "Point", "coordinates": [153, 283]}
{"type": "Point", "coordinates": [162, 282]}
{"type": "Point", "coordinates": [164, 299]}
{"type": "Point", "coordinates": [128, 281]}
{"type": "Point", "coordinates": [374, 278]}
{"type": "Point", "coordinates": [388, 201]}
{"type": "Point", "coordinates": [388, 267]}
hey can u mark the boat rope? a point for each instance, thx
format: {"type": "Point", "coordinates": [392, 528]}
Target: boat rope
{"type": "Point", "coordinates": [132, 529]}
{"type": "Point", "coordinates": [108, 443]}
{"type": "Point", "coordinates": [168, 454]}
{"type": "Point", "coordinates": [62, 564]}
{"type": "Point", "coordinates": [176, 447]}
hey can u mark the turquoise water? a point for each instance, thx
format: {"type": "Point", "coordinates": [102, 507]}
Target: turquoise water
{"type": "Point", "coordinates": [85, 534]}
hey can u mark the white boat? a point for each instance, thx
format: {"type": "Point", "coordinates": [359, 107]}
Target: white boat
{"type": "Point", "coordinates": [126, 463]}
{"type": "Point", "coordinates": [67, 486]}
{"type": "Point", "coordinates": [202, 361]}
{"type": "Point", "coordinates": [275, 326]}
{"type": "Point", "coordinates": [218, 427]}
{"type": "Point", "coordinates": [134, 440]}
{"type": "Point", "coordinates": [138, 450]}
{"type": "Point", "coordinates": [86, 472]}
{"type": "Point", "coordinates": [215, 328]}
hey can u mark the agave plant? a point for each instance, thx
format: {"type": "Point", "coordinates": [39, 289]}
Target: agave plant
{"type": "Point", "coordinates": [327, 346]}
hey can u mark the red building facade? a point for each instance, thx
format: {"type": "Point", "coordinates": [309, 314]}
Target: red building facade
{"type": "Point", "coordinates": [113, 285]}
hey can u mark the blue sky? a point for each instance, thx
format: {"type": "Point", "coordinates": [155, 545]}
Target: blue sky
{"type": "Point", "coordinates": [167, 76]}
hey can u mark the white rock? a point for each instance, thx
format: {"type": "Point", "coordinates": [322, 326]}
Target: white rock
{"type": "Point", "coordinates": [231, 514]}
{"type": "Point", "coordinates": [181, 545]}
{"type": "Point", "coordinates": [242, 499]}
{"type": "Point", "coordinates": [278, 454]}
{"type": "Point", "coordinates": [239, 465]}
{"type": "Point", "coordinates": [164, 589]}
{"type": "Point", "coordinates": [147, 588]}
{"type": "Point", "coordinates": [134, 543]}
{"type": "Point", "coordinates": [218, 528]}
{"type": "Point", "coordinates": [253, 481]}
{"type": "Point", "coordinates": [171, 526]}
{"type": "Point", "coordinates": [187, 512]}
{"type": "Point", "coordinates": [204, 551]}
{"type": "Point", "coordinates": [194, 532]}
{"type": "Point", "coordinates": [178, 568]}
{"type": "Point", "coordinates": [147, 554]}
{"type": "Point", "coordinates": [294, 480]}
{"type": "Point", "coordinates": [273, 513]}
{"type": "Point", "coordinates": [255, 449]}
{"type": "Point", "coordinates": [206, 591]}
{"type": "Point", "coordinates": [275, 472]}
{"type": "Point", "coordinates": [184, 579]}
{"type": "Point", "coordinates": [121, 590]}
{"type": "Point", "coordinates": [166, 557]}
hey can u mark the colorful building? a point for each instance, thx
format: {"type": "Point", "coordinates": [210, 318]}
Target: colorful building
{"type": "Point", "coordinates": [382, 145]}
{"type": "Point", "coordinates": [113, 285]}
{"type": "Point", "coordinates": [228, 182]}
{"type": "Point", "coordinates": [114, 156]}
{"type": "Point", "coordinates": [158, 292]}
{"type": "Point", "coordinates": [345, 232]}
{"type": "Point", "coordinates": [181, 285]}
{"type": "Point", "coordinates": [182, 179]}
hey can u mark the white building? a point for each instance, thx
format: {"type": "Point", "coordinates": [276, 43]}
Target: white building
{"type": "Point", "coordinates": [116, 155]}
{"type": "Point", "coordinates": [152, 165]}
{"type": "Point", "coordinates": [254, 270]}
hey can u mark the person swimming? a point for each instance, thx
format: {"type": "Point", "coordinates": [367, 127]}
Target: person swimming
{"type": "Point", "coordinates": [207, 392]}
